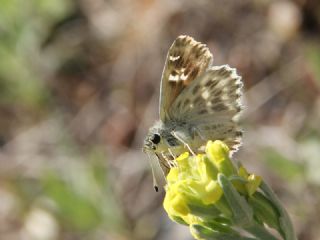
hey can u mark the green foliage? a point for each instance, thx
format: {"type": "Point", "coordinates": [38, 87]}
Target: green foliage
{"type": "Point", "coordinates": [73, 208]}
{"type": "Point", "coordinates": [313, 57]}
{"type": "Point", "coordinates": [84, 201]}
{"type": "Point", "coordinates": [282, 165]}
{"type": "Point", "coordinates": [23, 27]}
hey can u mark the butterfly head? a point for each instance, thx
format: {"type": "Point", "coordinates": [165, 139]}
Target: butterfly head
{"type": "Point", "coordinates": [152, 141]}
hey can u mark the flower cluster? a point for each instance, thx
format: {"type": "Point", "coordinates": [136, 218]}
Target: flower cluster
{"type": "Point", "coordinates": [219, 200]}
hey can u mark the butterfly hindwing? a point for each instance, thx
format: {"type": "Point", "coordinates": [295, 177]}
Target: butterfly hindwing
{"type": "Point", "coordinates": [216, 94]}
{"type": "Point", "coordinates": [212, 104]}
{"type": "Point", "coordinates": [187, 59]}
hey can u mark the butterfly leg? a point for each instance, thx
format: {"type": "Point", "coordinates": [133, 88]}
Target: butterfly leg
{"type": "Point", "coordinates": [197, 131]}
{"type": "Point", "coordinates": [172, 155]}
{"type": "Point", "coordinates": [175, 134]}
{"type": "Point", "coordinates": [170, 163]}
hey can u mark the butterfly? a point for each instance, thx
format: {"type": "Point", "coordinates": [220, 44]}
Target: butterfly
{"type": "Point", "coordinates": [198, 102]}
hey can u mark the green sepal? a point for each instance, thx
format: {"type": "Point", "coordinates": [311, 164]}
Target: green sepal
{"type": "Point", "coordinates": [223, 220]}
{"type": "Point", "coordinates": [179, 220]}
{"type": "Point", "coordinates": [223, 206]}
{"type": "Point", "coordinates": [204, 211]}
{"type": "Point", "coordinates": [219, 227]}
{"type": "Point", "coordinates": [259, 231]}
{"type": "Point", "coordinates": [237, 178]}
{"type": "Point", "coordinates": [204, 233]}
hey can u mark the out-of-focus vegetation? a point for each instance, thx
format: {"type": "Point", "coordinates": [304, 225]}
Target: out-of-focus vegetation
{"type": "Point", "coordinates": [79, 86]}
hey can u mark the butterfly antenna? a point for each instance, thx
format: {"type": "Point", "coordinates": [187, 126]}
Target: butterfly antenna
{"type": "Point", "coordinates": [154, 180]}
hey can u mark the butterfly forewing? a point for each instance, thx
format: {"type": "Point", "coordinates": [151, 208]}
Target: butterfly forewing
{"type": "Point", "coordinates": [186, 60]}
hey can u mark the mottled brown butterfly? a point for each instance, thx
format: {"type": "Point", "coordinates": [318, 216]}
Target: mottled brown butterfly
{"type": "Point", "coordinates": [198, 102]}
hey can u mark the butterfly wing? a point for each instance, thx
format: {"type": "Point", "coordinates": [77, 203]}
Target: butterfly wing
{"type": "Point", "coordinates": [186, 60]}
{"type": "Point", "coordinates": [211, 103]}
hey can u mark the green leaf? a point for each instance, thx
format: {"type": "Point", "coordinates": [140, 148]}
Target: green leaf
{"type": "Point", "coordinates": [264, 210]}
{"type": "Point", "coordinates": [242, 212]}
{"type": "Point", "coordinates": [204, 211]}
{"type": "Point", "coordinates": [285, 223]}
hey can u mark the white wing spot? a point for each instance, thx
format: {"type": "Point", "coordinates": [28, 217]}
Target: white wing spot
{"type": "Point", "coordinates": [205, 94]}
{"type": "Point", "coordinates": [183, 77]}
{"type": "Point", "coordinates": [174, 78]}
{"type": "Point", "coordinates": [172, 58]}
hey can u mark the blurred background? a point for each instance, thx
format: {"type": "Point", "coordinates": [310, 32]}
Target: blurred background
{"type": "Point", "coordinates": [79, 88]}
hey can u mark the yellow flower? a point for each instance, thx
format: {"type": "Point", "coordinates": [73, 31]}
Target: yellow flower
{"type": "Point", "coordinates": [251, 184]}
{"type": "Point", "coordinates": [214, 197]}
{"type": "Point", "coordinates": [194, 182]}
{"type": "Point", "coordinates": [218, 153]}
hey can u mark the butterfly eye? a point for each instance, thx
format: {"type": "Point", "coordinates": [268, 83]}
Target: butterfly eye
{"type": "Point", "coordinates": [155, 138]}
